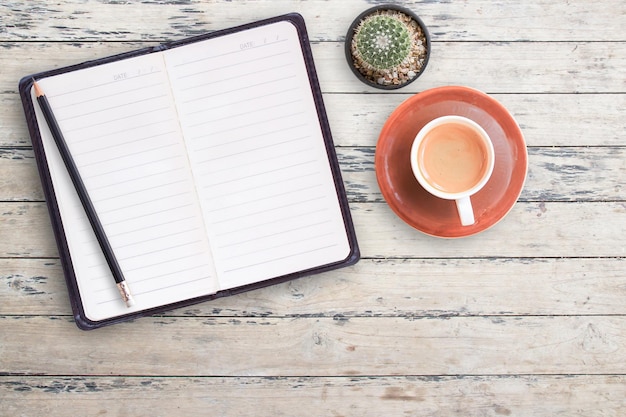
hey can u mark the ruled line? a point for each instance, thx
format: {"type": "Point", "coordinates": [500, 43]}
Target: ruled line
{"type": "Point", "coordinates": [270, 171]}
{"type": "Point", "coordinates": [137, 191]}
{"type": "Point", "coordinates": [229, 53]}
{"type": "Point", "coordinates": [83, 89]}
{"type": "Point", "coordinates": [258, 148]}
{"type": "Point", "coordinates": [269, 184]}
{"type": "Point", "coordinates": [299, 239]}
{"type": "Point", "coordinates": [165, 262]}
{"type": "Point", "coordinates": [162, 249]}
{"type": "Point", "coordinates": [156, 238]}
{"type": "Point", "coordinates": [152, 226]}
{"type": "Point", "coordinates": [115, 133]}
{"type": "Point", "coordinates": [246, 99]}
{"type": "Point", "coordinates": [267, 197]}
{"type": "Point", "coordinates": [116, 107]}
{"type": "Point", "coordinates": [177, 284]}
{"type": "Point", "coordinates": [246, 228]}
{"type": "Point", "coordinates": [234, 166]}
{"type": "Point", "coordinates": [100, 97]}
{"type": "Point", "coordinates": [177, 271]}
{"type": "Point", "coordinates": [127, 155]}
{"type": "Point", "coordinates": [255, 110]}
{"type": "Point", "coordinates": [236, 77]}
{"type": "Point", "coordinates": [147, 214]}
{"type": "Point", "coordinates": [239, 127]}
{"type": "Point", "coordinates": [279, 258]}
{"type": "Point", "coordinates": [119, 144]}
{"type": "Point", "coordinates": [246, 87]}
{"type": "Point", "coordinates": [117, 119]}
{"type": "Point", "coordinates": [245, 138]}
{"type": "Point", "coordinates": [274, 234]}
{"type": "Point", "coordinates": [135, 179]}
{"type": "Point", "coordinates": [118, 170]}
{"type": "Point", "coordinates": [125, 207]}
{"type": "Point", "coordinates": [275, 208]}
{"type": "Point", "coordinates": [161, 288]}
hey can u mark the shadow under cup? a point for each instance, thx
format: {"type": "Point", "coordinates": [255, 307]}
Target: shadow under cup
{"type": "Point", "coordinates": [452, 157]}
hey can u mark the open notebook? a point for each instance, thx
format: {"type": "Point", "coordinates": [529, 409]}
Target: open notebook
{"type": "Point", "coordinates": [209, 162]}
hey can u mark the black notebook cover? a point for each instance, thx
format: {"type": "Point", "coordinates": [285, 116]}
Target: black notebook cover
{"type": "Point", "coordinates": [82, 320]}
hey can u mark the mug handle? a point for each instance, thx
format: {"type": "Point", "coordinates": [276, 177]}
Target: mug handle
{"type": "Point", "coordinates": [466, 212]}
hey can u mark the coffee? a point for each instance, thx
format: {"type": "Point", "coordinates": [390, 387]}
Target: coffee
{"type": "Point", "coordinates": [453, 157]}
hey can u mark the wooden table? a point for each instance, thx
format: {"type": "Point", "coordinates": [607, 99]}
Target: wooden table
{"type": "Point", "coordinates": [525, 319]}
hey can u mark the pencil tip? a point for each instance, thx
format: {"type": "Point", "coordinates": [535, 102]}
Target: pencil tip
{"type": "Point", "coordinates": [38, 90]}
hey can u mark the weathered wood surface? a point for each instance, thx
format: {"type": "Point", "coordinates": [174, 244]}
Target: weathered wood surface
{"type": "Point", "coordinates": [566, 230]}
{"type": "Point", "coordinates": [536, 395]}
{"type": "Point", "coordinates": [527, 318]}
{"type": "Point", "coordinates": [318, 346]}
{"type": "Point", "coordinates": [552, 120]}
{"type": "Point", "coordinates": [555, 174]}
{"type": "Point", "coordinates": [377, 288]}
{"type": "Point", "coordinates": [494, 67]}
{"type": "Point", "coordinates": [478, 20]}
{"type": "Point", "coordinates": [573, 114]}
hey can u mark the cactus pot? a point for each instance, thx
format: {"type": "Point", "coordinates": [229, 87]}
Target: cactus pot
{"type": "Point", "coordinates": [387, 46]}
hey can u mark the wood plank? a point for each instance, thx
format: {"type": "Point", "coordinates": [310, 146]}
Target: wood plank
{"type": "Point", "coordinates": [376, 288]}
{"type": "Point", "coordinates": [555, 174]}
{"type": "Point", "coordinates": [19, 178]}
{"type": "Point", "coordinates": [532, 229]}
{"type": "Point", "coordinates": [538, 396]}
{"type": "Point", "coordinates": [479, 20]}
{"type": "Point", "coordinates": [545, 119]}
{"type": "Point", "coordinates": [502, 67]}
{"type": "Point", "coordinates": [527, 318]}
{"type": "Point", "coordinates": [12, 120]}
{"type": "Point", "coordinates": [29, 229]}
{"type": "Point", "coordinates": [535, 229]}
{"type": "Point", "coordinates": [579, 67]}
{"type": "Point", "coordinates": [366, 346]}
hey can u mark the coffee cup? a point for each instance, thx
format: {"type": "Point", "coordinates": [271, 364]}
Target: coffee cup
{"type": "Point", "coordinates": [452, 157]}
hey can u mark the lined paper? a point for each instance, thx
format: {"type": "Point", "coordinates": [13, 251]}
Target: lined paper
{"type": "Point", "coordinates": [122, 130]}
{"type": "Point", "coordinates": [257, 154]}
{"type": "Point", "coordinates": [206, 164]}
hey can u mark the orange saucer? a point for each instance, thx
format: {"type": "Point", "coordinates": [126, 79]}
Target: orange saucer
{"type": "Point", "coordinates": [425, 212]}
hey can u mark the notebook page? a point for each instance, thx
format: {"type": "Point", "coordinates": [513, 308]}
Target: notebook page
{"type": "Point", "coordinates": [257, 153]}
{"type": "Point", "coordinates": [121, 127]}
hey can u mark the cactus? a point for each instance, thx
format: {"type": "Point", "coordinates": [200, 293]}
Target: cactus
{"type": "Point", "coordinates": [382, 42]}
{"type": "Point", "coordinates": [387, 47]}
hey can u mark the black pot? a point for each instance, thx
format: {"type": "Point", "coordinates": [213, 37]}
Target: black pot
{"type": "Point", "coordinates": [350, 35]}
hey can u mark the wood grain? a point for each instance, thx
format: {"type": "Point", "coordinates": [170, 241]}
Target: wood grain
{"type": "Point", "coordinates": [553, 120]}
{"type": "Point", "coordinates": [543, 229]}
{"type": "Point", "coordinates": [493, 67]}
{"type": "Point", "coordinates": [569, 395]}
{"type": "Point", "coordinates": [19, 178]}
{"type": "Point", "coordinates": [479, 20]}
{"type": "Point", "coordinates": [318, 346]}
{"type": "Point", "coordinates": [534, 229]}
{"type": "Point", "coordinates": [555, 174]}
{"type": "Point", "coordinates": [408, 288]}
{"type": "Point", "coordinates": [525, 319]}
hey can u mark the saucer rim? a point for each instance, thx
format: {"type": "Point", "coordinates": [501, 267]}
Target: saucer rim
{"type": "Point", "coordinates": [446, 92]}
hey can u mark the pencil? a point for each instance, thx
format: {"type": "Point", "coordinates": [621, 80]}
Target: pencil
{"type": "Point", "coordinates": [122, 285]}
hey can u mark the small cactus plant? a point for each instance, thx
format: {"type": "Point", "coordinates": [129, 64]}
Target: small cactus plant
{"type": "Point", "coordinates": [382, 42]}
{"type": "Point", "coordinates": [388, 46]}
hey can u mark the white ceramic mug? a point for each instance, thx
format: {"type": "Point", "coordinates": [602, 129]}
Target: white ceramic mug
{"type": "Point", "coordinates": [452, 157]}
